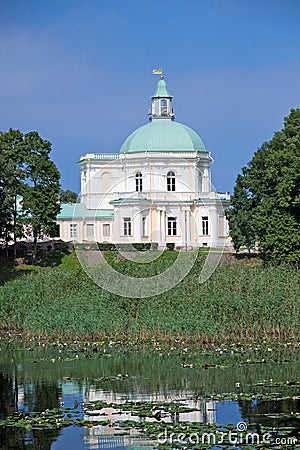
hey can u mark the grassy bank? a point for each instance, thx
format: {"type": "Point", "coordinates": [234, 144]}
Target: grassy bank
{"type": "Point", "coordinates": [238, 303]}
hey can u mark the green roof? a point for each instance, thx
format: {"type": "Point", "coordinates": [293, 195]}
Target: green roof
{"type": "Point", "coordinates": [162, 90]}
{"type": "Point", "coordinates": [79, 211]}
{"type": "Point", "coordinates": [130, 200]}
{"type": "Point", "coordinates": [163, 136]}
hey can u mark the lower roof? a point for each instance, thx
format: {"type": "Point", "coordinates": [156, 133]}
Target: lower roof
{"type": "Point", "coordinates": [79, 211]}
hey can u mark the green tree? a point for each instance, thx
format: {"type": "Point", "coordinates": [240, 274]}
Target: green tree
{"type": "Point", "coordinates": [266, 199]}
{"type": "Point", "coordinates": [12, 176]}
{"type": "Point", "coordinates": [68, 196]}
{"type": "Point", "coordinates": [41, 188]}
{"type": "Point", "coordinates": [239, 215]}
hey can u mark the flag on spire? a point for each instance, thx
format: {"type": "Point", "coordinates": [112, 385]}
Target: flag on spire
{"type": "Point", "coordinates": [157, 72]}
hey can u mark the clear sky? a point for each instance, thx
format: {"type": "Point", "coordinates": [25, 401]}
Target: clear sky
{"type": "Point", "coordinates": [80, 73]}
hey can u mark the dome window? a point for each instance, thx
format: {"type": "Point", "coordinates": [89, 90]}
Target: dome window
{"type": "Point", "coordinates": [171, 181]}
{"type": "Point", "coordinates": [163, 107]}
{"type": "Point", "coordinates": [138, 182]}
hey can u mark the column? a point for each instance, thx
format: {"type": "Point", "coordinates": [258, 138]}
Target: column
{"type": "Point", "coordinates": [205, 180]}
{"type": "Point", "coordinates": [186, 233]}
{"type": "Point", "coordinates": [188, 227]}
{"type": "Point", "coordinates": [161, 230]}
{"type": "Point", "coordinates": [116, 226]}
{"type": "Point", "coordinates": [163, 227]}
{"type": "Point", "coordinates": [214, 219]}
{"type": "Point", "coordinates": [137, 234]}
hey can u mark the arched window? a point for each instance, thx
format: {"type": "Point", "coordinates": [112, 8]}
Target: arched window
{"type": "Point", "coordinates": [171, 181]}
{"type": "Point", "coordinates": [105, 181]}
{"type": "Point", "coordinates": [164, 107]}
{"type": "Point", "coordinates": [138, 182]}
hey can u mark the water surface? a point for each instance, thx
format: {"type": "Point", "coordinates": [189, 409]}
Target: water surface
{"type": "Point", "coordinates": [36, 377]}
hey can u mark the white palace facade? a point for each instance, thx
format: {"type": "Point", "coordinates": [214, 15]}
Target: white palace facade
{"type": "Point", "coordinates": [157, 189]}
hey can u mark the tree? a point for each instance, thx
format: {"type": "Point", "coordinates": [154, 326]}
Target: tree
{"type": "Point", "coordinates": [266, 200]}
{"type": "Point", "coordinates": [239, 215]}
{"type": "Point", "coordinates": [41, 188]}
{"type": "Point", "coordinates": [12, 175]}
{"type": "Point", "coordinates": [68, 196]}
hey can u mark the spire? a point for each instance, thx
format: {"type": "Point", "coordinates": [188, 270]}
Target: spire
{"type": "Point", "coordinates": [161, 102]}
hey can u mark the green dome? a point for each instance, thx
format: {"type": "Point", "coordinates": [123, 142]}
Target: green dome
{"type": "Point", "coordinates": [163, 136]}
{"type": "Point", "coordinates": [162, 90]}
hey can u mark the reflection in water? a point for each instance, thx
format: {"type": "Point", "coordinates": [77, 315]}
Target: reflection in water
{"type": "Point", "coordinates": [33, 396]}
{"type": "Point", "coordinates": [8, 394]}
{"type": "Point", "coordinates": [42, 379]}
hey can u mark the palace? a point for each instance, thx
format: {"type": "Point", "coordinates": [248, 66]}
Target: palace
{"type": "Point", "coordinates": [157, 189]}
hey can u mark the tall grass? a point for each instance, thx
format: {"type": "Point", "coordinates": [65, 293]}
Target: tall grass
{"type": "Point", "coordinates": [238, 303]}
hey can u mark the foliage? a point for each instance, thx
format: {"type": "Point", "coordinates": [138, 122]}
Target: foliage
{"type": "Point", "coordinates": [68, 196]}
{"type": "Point", "coordinates": [139, 246]}
{"type": "Point", "coordinates": [238, 303]}
{"type": "Point", "coordinates": [41, 191]}
{"type": "Point", "coordinates": [170, 245]}
{"type": "Point", "coordinates": [11, 179]}
{"type": "Point", "coordinates": [29, 185]}
{"type": "Point", "coordinates": [239, 216]}
{"type": "Point", "coordinates": [266, 200]}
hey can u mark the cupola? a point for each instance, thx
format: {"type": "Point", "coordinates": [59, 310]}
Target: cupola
{"type": "Point", "coordinates": [161, 102]}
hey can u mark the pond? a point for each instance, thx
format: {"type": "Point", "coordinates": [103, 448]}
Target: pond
{"type": "Point", "coordinates": [77, 396]}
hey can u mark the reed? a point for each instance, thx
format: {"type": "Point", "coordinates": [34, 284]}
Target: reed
{"type": "Point", "coordinates": [237, 303]}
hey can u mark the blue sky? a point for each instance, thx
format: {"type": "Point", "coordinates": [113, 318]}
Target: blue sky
{"type": "Point", "coordinates": [80, 73]}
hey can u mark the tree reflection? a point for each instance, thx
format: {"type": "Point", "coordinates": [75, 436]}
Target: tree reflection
{"type": "Point", "coordinates": [35, 396]}
{"type": "Point", "coordinates": [272, 414]}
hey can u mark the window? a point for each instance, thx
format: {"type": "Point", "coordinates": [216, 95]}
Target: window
{"type": "Point", "coordinates": [73, 231]}
{"type": "Point", "coordinates": [222, 228]}
{"type": "Point", "coordinates": [138, 182]}
{"type": "Point", "coordinates": [144, 226]}
{"type": "Point", "coordinates": [171, 181]}
{"type": "Point", "coordinates": [127, 226]}
{"type": "Point", "coordinates": [205, 226]}
{"type": "Point", "coordinates": [164, 107]}
{"type": "Point", "coordinates": [105, 182]}
{"type": "Point", "coordinates": [172, 226]}
{"type": "Point", "coordinates": [90, 231]}
{"type": "Point", "coordinates": [106, 230]}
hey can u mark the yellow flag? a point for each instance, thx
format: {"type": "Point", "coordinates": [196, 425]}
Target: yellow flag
{"type": "Point", "coordinates": [157, 72]}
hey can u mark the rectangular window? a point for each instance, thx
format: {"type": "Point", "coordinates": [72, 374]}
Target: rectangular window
{"type": "Point", "coordinates": [171, 184]}
{"type": "Point", "coordinates": [90, 231]}
{"type": "Point", "coordinates": [138, 185]}
{"type": "Point", "coordinates": [172, 226]}
{"type": "Point", "coordinates": [127, 226]}
{"type": "Point", "coordinates": [164, 107]}
{"type": "Point", "coordinates": [106, 230]}
{"type": "Point", "coordinates": [222, 232]}
{"type": "Point", "coordinates": [73, 231]}
{"type": "Point", "coordinates": [144, 226]}
{"type": "Point", "coordinates": [205, 226]}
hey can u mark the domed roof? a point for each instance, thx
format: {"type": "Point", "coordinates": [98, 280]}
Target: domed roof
{"type": "Point", "coordinates": [163, 136]}
{"type": "Point", "coordinates": [162, 90]}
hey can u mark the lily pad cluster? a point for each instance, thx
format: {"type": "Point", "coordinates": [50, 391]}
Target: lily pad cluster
{"type": "Point", "coordinates": [152, 423]}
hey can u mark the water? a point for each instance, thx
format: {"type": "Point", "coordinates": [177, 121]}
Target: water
{"type": "Point", "coordinates": [39, 377]}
